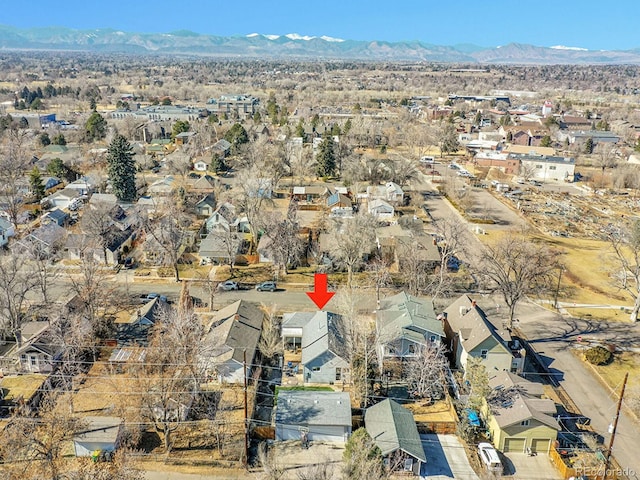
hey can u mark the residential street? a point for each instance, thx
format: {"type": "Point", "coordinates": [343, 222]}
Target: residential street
{"type": "Point", "coordinates": [552, 336]}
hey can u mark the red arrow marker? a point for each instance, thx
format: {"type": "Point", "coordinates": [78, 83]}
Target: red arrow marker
{"type": "Point", "coordinates": [320, 295]}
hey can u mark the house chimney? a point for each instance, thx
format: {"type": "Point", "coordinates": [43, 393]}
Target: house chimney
{"type": "Point", "coordinates": [473, 303]}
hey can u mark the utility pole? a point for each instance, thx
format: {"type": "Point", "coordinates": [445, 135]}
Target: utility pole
{"type": "Point", "coordinates": [615, 424]}
{"type": "Point", "coordinates": [246, 409]}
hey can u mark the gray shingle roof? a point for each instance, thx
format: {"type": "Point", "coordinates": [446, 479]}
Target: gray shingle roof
{"type": "Point", "coordinates": [233, 329]}
{"type": "Point", "coordinates": [296, 407]}
{"type": "Point", "coordinates": [467, 318]}
{"type": "Point", "coordinates": [514, 400]}
{"type": "Point", "coordinates": [404, 315]}
{"type": "Point", "coordinates": [99, 429]}
{"type": "Point", "coordinates": [324, 332]}
{"type": "Point", "coordinates": [393, 428]}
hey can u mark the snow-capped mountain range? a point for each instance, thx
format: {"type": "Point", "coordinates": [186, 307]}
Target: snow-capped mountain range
{"type": "Point", "coordinates": [297, 46]}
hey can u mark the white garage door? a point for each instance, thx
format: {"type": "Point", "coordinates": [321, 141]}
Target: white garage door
{"type": "Point", "coordinates": [330, 434]}
{"type": "Point", "coordinates": [514, 445]}
{"type": "Point", "coordinates": [540, 445]}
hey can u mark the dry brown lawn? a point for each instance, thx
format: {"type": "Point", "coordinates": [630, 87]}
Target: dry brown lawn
{"type": "Point", "coordinates": [424, 412]}
{"type": "Point", "coordinates": [586, 277]}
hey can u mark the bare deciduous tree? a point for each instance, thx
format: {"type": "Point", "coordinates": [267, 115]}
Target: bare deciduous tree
{"type": "Point", "coordinates": [380, 274]}
{"type": "Point", "coordinates": [353, 239]}
{"type": "Point", "coordinates": [169, 236]}
{"type": "Point", "coordinates": [33, 447]}
{"type": "Point", "coordinates": [516, 267]}
{"type": "Point", "coordinates": [451, 242]}
{"type": "Point", "coordinates": [285, 245]}
{"type": "Point", "coordinates": [271, 467]}
{"type": "Point", "coordinates": [270, 343]}
{"type": "Point", "coordinates": [425, 371]}
{"type": "Point", "coordinates": [98, 222]}
{"type": "Point", "coordinates": [625, 242]}
{"type": "Point", "coordinates": [17, 281]}
{"type": "Point", "coordinates": [363, 458]}
{"type": "Point", "coordinates": [14, 163]}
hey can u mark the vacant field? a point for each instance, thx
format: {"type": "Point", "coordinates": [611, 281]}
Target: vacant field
{"type": "Point", "coordinates": [585, 278]}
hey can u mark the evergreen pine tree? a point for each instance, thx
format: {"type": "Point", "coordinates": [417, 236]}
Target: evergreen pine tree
{"type": "Point", "coordinates": [588, 146]}
{"type": "Point", "coordinates": [121, 168]}
{"type": "Point", "coordinates": [36, 185]}
{"type": "Point", "coordinates": [326, 158]}
{"type": "Point", "coordinates": [96, 127]}
{"type": "Point", "coordinates": [217, 164]}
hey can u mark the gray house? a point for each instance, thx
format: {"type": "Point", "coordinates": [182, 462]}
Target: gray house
{"type": "Point", "coordinates": [136, 329]}
{"type": "Point", "coordinates": [34, 353]}
{"type": "Point", "coordinates": [394, 431]}
{"type": "Point", "coordinates": [322, 416]}
{"type": "Point", "coordinates": [57, 216]}
{"type": "Point", "coordinates": [402, 323]}
{"type": "Point", "coordinates": [324, 349]}
{"type": "Point", "coordinates": [232, 333]}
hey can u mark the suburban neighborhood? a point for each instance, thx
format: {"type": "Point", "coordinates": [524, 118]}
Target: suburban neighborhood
{"type": "Point", "coordinates": [267, 284]}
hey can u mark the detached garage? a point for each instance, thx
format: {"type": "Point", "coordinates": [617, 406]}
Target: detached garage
{"type": "Point", "coordinates": [100, 434]}
{"type": "Point", "coordinates": [322, 416]}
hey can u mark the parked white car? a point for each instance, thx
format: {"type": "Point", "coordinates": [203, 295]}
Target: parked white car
{"type": "Point", "coordinates": [228, 285]}
{"type": "Point", "coordinates": [489, 457]}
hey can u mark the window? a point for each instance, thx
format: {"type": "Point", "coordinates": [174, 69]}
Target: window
{"type": "Point", "coordinates": [338, 374]}
{"type": "Point", "coordinates": [33, 360]}
{"type": "Point", "coordinates": [552, 167]}
{"type": "Point", "coordinates": [315, 369]}
{"type": "Point", "coordinates": [412, 348]}
{"type": "Point", "coordinates": [524, 423]}
{"type": "Point", "coordinates": [483, 354]}
{"type": "Point", "coordinates": [432, 338]}
{"type": "Point", "coordinates": [538, 166]}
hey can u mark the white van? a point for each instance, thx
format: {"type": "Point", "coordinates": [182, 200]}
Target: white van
{"type": "Point", "coordinates": [489, 457]}
{"type": "Point", "coordinates": [428, 160]}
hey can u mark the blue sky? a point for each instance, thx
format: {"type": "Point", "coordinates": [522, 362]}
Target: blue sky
{"type": "Point", "coordinates": [603, 25]}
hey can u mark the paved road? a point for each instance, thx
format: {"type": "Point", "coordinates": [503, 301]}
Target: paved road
{"type": "Point", "coordinates": [552, 336]}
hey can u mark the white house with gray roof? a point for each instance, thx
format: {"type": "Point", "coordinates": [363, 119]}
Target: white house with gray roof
{"type": "Point", "coordinates": [402, 323]}
{"type": "Point", "coordinates": [545, 167]}
{"type": "Point", "coordinates": [322, 416]}
{"type": "Point", "coordinates": [325, 357]}
{"type": "Point", "coordinates": [232, 333]}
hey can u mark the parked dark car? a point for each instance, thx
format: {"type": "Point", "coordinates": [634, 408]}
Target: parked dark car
{"type": "Point", "coordinates": [266, 287]}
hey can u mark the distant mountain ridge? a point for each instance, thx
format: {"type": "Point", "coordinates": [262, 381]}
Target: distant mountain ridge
{"type": "Point", "coordinates": [297, 46]}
